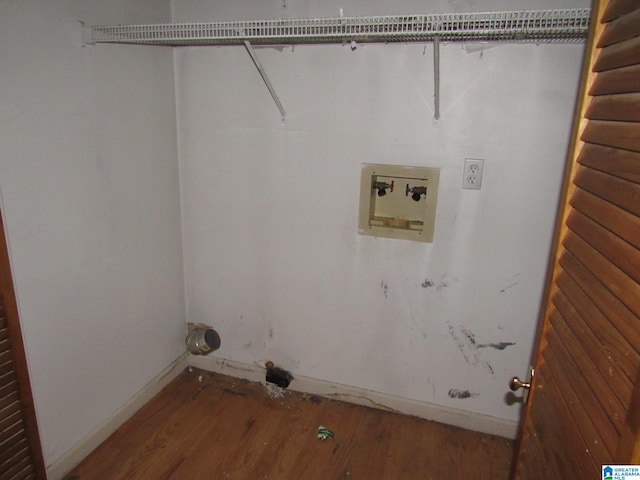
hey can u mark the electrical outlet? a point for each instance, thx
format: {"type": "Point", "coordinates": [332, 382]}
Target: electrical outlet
{"type": "Point", "coordinates": [472, 173]}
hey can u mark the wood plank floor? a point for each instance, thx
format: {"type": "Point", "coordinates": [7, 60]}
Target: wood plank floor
{"type": "Point", "coordinates": [210, 426]}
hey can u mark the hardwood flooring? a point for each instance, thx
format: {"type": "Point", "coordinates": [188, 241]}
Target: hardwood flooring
{"type": "Point", "coordinates": [210, 426]}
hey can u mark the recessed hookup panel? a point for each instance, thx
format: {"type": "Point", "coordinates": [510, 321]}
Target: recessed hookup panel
{"type": "Point", "coordinates": [398, 201]}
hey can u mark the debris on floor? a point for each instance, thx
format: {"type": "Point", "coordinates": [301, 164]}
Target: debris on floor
{"type": "Point", "coordinates": [273, 390]}
{"type": "Point", "coordinates": [324, 433]}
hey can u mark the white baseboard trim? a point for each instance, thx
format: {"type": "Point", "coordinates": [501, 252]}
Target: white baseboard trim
{"type": "Point", "coordinates": [369, 398]}
{"type": "Point", "coordinates": [72, 457]}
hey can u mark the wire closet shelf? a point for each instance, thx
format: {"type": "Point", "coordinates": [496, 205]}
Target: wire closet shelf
{"type": "Point", "coordinates": [526, 26]}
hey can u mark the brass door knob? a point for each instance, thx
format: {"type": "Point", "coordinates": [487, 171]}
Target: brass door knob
{"type": "Point", "coordinates": [516, 384]}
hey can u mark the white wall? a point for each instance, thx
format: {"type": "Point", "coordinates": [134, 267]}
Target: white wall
{"type": "Point", "coordinates": [272, 254]}
{"type": "Point", "coordinates": [90, 195]}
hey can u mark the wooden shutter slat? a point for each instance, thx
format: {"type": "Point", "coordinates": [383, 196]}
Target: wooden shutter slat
{"type": "Point", "coordinates": [622, 223]}
{"type": "Point", "coordinates": [6, 387]}
{"type": "Point", "coordinates": [604, 361]}
{"type": "Point", "coordinates": [27, 473]}
{"type": "Point", "coordinates": [3, 320]}
{"type": "Point", "coordinates": [621, 29]}
{"type": "Point", "coordinates": [9, 399]}
{"type": "Point", "coordinates": [6, 368]}
{"type": "Point", "coordinates": [615, 345]}
{"type": "Point", "coordinates": [619, 80]}
{"type": "Point", "coordinates": [4, 335]}
{"type": "Point", "coordinates": [9, 420]}
{"type": "Point", "coordinates": [13, 463]}
{"type": "Point", "coordinates": [617, 8]}
{"type": "Point", "coordinates": [625, 135]}
{"type": "Point", "coordinates": [619, 55]}
{"type": "Point", "coordinates": [9, 377]}
{"type": "Point", "coordinates": [620, 192]}
{"type": "Point", "coordinates": [15, 429]}
{"type": "Point", "coordinates": [18, 469]}
{"type": "Point", "coordinates": [7, 413]}
{"type": "Point", "coordinates": [623, 255]}
{"type": "Point", "coordinates": [584, 394]}
{"type": "Point", "coordinates": [12, 450]}
{"type": "Point", "coordinates": [611, 405]}
{"type": "Point", "coordinates": [620, 107]}
{"type": "Point", "coordinates": [620, 284]}
{"type": "Point", "coordinates": [5, 352]}
{"type": "Point", "coordinates": [619, 163]}
{"type": "Point", "coordinates": [623, 319]}
{"type": "Point", "coordinates": [5, 356]}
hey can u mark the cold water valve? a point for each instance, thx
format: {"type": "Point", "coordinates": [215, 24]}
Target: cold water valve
{"type": "Point", "coordinates": [416, 191]}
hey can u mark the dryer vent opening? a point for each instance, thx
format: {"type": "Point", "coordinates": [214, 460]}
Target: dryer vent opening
{"type": "Point", "coordinates": [202, 339]}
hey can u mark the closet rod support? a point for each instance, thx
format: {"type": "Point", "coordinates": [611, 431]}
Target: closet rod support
{"type": "Point", "coordinates": [265, 78]}
{"type": "Point", "coordinates": [436, 81]}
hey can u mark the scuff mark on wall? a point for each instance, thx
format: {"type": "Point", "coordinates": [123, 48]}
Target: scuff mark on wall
{"type": "Point", "coordinates": [470, 348]}
{"type": "Point", "coordinates": [438, 285]}
{"type": "Point", "coordinates": [471, 338]}
{"type": "Point", "coordinates": [431, 284]}
{"type": "Point", "coordinates": [460, 344]}
{"type": "Point", "coordinates": [455, 393]}
{"type": "Point", "coordinates": [497, 346]}
{"type": "Point", "coordinates": [385, 288]}
{"type": "Point", "coordinates": [512, 284]}
{"type": "Point", "coordinates": [361, 400]}
{"type": "Point", "coordinates": [508, 287]}
{"type": "Point", "coordinates": [224, 365]}
{"type": "Point", "coordinates": [466, 342]}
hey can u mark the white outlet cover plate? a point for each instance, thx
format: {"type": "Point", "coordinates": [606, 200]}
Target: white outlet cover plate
{"type": "Point", "coordinates": [472, 173]}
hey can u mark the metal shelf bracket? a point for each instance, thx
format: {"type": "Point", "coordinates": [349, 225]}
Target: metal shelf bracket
{"type": "Point", "coordinates": [436, 81]}
{"type": "Point", "coordinates": [265, 78]}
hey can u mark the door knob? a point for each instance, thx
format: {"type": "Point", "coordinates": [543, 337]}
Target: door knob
{"type": "Point", "coordinates": [516, 384]}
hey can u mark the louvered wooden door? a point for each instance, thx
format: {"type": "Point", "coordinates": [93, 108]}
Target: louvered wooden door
{"type": "Point", "coordinates": [584, 405]}
{"type": "Point", "coordinates": [20, 454]}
